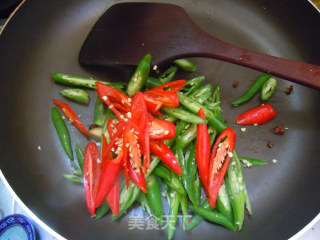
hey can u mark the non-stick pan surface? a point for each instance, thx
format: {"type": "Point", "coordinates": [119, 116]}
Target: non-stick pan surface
{"type": "Point", "coordinates": [46, 36]}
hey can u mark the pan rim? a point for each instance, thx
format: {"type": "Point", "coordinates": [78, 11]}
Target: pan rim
{"type": "Point", "coordinates": [55, 234]}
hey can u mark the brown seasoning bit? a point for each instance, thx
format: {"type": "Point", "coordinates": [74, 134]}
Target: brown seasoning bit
{"type": "Point", "coordinates": [92, 126]}
{"type": "Point", "coordinates": [289, 89]}
{"type": "Point", "coordinates": [279, 130]}
{"type": "Point", "coordinates": [235, 84]}
{"type": "Point", "coordinates": [270, 144]}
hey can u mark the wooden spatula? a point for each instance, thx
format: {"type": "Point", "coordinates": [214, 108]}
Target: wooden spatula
{"type": "Point", "coordinates": [128, 31]}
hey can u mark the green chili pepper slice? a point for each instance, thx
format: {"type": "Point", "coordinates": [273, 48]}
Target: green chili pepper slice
{"type": "Point", "coordinates": [252, 162]}
{"type": "Point", "coordinates": [99, 114]}
{"type": "Point", "coordinates": [140, 76]}
{"type": "Point", "coordinates": [163, 172]}
{"type": "Point", "coordinates": [196, 188]}
{"type": "Point", "coordinates": [185, 64]}
{"type": "Point", "coordinates": [80, 156]}
{"type": "Point", "coordinates": [196, 219]}
{"type": "Point", "coordinates": [188, 135]}
{"type": "Point", "coordinates": [193, 106]}
{"type": "Point", "coordinates": [194, 84]}
{"type": "Point", "coordinates": [214, 217]}
{"type": "Point", "coordinates": [253, 90]}
{"type": "Point", "coordinates": [76, 94]}
{"type": "Point", "coordinates": [184, 115]}
{"type": "Point", "coordinates": [62, 131]}
{"type": "Point", "coordinates": [236, 192]}
{"type": "Point", "coordinates": [202, 93]}
{"type": "Point", "coordinates": [184, 207]}
{"type": "Point", "coordinates": [73, 178]}
{"type": "Point", "coordinates": [168, 75]}
{"type": "Point", "coordinates": [175, 183]}
{"type": "Point", "coordinates": [268, 89]}
{"type": "Point", "coordinates": [102, 210]}
{"type": "Point", "coordinates": [223, 202]}
{"type": "Point", "coordinates": [153, 82]}
{"type": "Point", "coordinates": [173, 213]}
{"type": "Point", "coordinates": [68, 79]}
{"type": "Point", "coordinates": [154, 198]}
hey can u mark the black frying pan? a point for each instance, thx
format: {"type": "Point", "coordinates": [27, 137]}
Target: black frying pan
{"type": "Point", "coordinates": [46, 36]}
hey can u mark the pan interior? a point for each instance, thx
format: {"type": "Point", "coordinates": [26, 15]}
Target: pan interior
{"type": "Point", "coordinates": [283, 194]}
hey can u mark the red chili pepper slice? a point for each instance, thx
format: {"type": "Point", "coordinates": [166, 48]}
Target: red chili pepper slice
{"type": "Point", "coordinates": [131, 136]}
{"type": "Point", "coordinates": [257, 115]}
{"type": "Point", "coordinates": [203, 151]}
{"type": "Point", "coordinates": [153, 105]}
{"type": "Point", "coordinates": [91, 174]}
{"type": "Point", "coordinates": [140, 117]}
{"type": "Point", "coordinates": [113, 198]}
{"type": "Point", "coordinates": [161, 129]}
{"type": "Point", "coordinates": [138, 177]}
{"type": "Point", "coordinates": [111, 169]}
{"type": "Point", "coordinates": [173, 86]}
{"type": "Point", "coordinates": [116, 100]}
{"type": "Point", "coordinates": [73, 118]}
{"type": "Point", "coordinates": [161, 150]}
{"type": "Point", "coordinates": [219, 162]}
{"type": "Point", "coordinates": [164, 95]}
{"type": "Point", "coordinates": [157, 99]}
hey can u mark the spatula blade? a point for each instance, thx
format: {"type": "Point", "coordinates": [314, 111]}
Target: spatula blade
{"type": "Point", "coordinates": [128, 31]}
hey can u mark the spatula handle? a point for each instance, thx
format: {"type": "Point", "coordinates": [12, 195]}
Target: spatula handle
{"type": "Point", "coordinates": [295, 71]}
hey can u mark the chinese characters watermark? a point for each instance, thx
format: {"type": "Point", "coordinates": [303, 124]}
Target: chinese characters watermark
{"type": "Point", "coordinates": [139, 222]}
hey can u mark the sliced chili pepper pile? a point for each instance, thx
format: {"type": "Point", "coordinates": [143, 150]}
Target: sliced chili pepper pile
{"type": "Point", "coordinates": [133, 135]}
{"type": "Point", "coordinates": [175, 123]}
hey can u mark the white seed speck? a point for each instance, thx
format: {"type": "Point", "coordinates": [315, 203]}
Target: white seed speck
{"type": "Point", "coordinates": [63, 117]}
{"type": "Point", "coordinates": [122, 101]}
{"type": "Point", "coordinates": [129, 100]}
{"type": "Point", "coordinates": [286, 128]}
{"type": "Point", "coordinates": [131, 155]}
{"type": "Point", "coordinates": [127, 145]}
{"type": "Point", "coordinates": [132, 130]}
{"type": "Point", "coordinates": [125, 119]}
{"type": "Point", "coordinates": [129, 115]}
{"type": "Point", "coordinates": [230, 154]}
{"type": "Point", "coordinates": [256, 124]}
{"type": "Point", "coordinates": [166, 132]}
{"type": "Point", "coordinates": [233, 163]}
{"type": "Point", "coordinates": [172, 194]}
{"type": "Point", "coordinates": [243, 129]}
{"type": "Point", "coordinates": [98, 160]}
{"type": "Point", "coordinates": [274, 160]}
{"type": "Point", "coordinates": [39, 148]}
{"type": "Point", "coordinates": [79, 116]}
{"type": "Point", "coordinates": [105, 98]}
{"type": "Point", "coordinates": [111, 106]}
{"type": "Point", "coordinates": [155, 67]}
